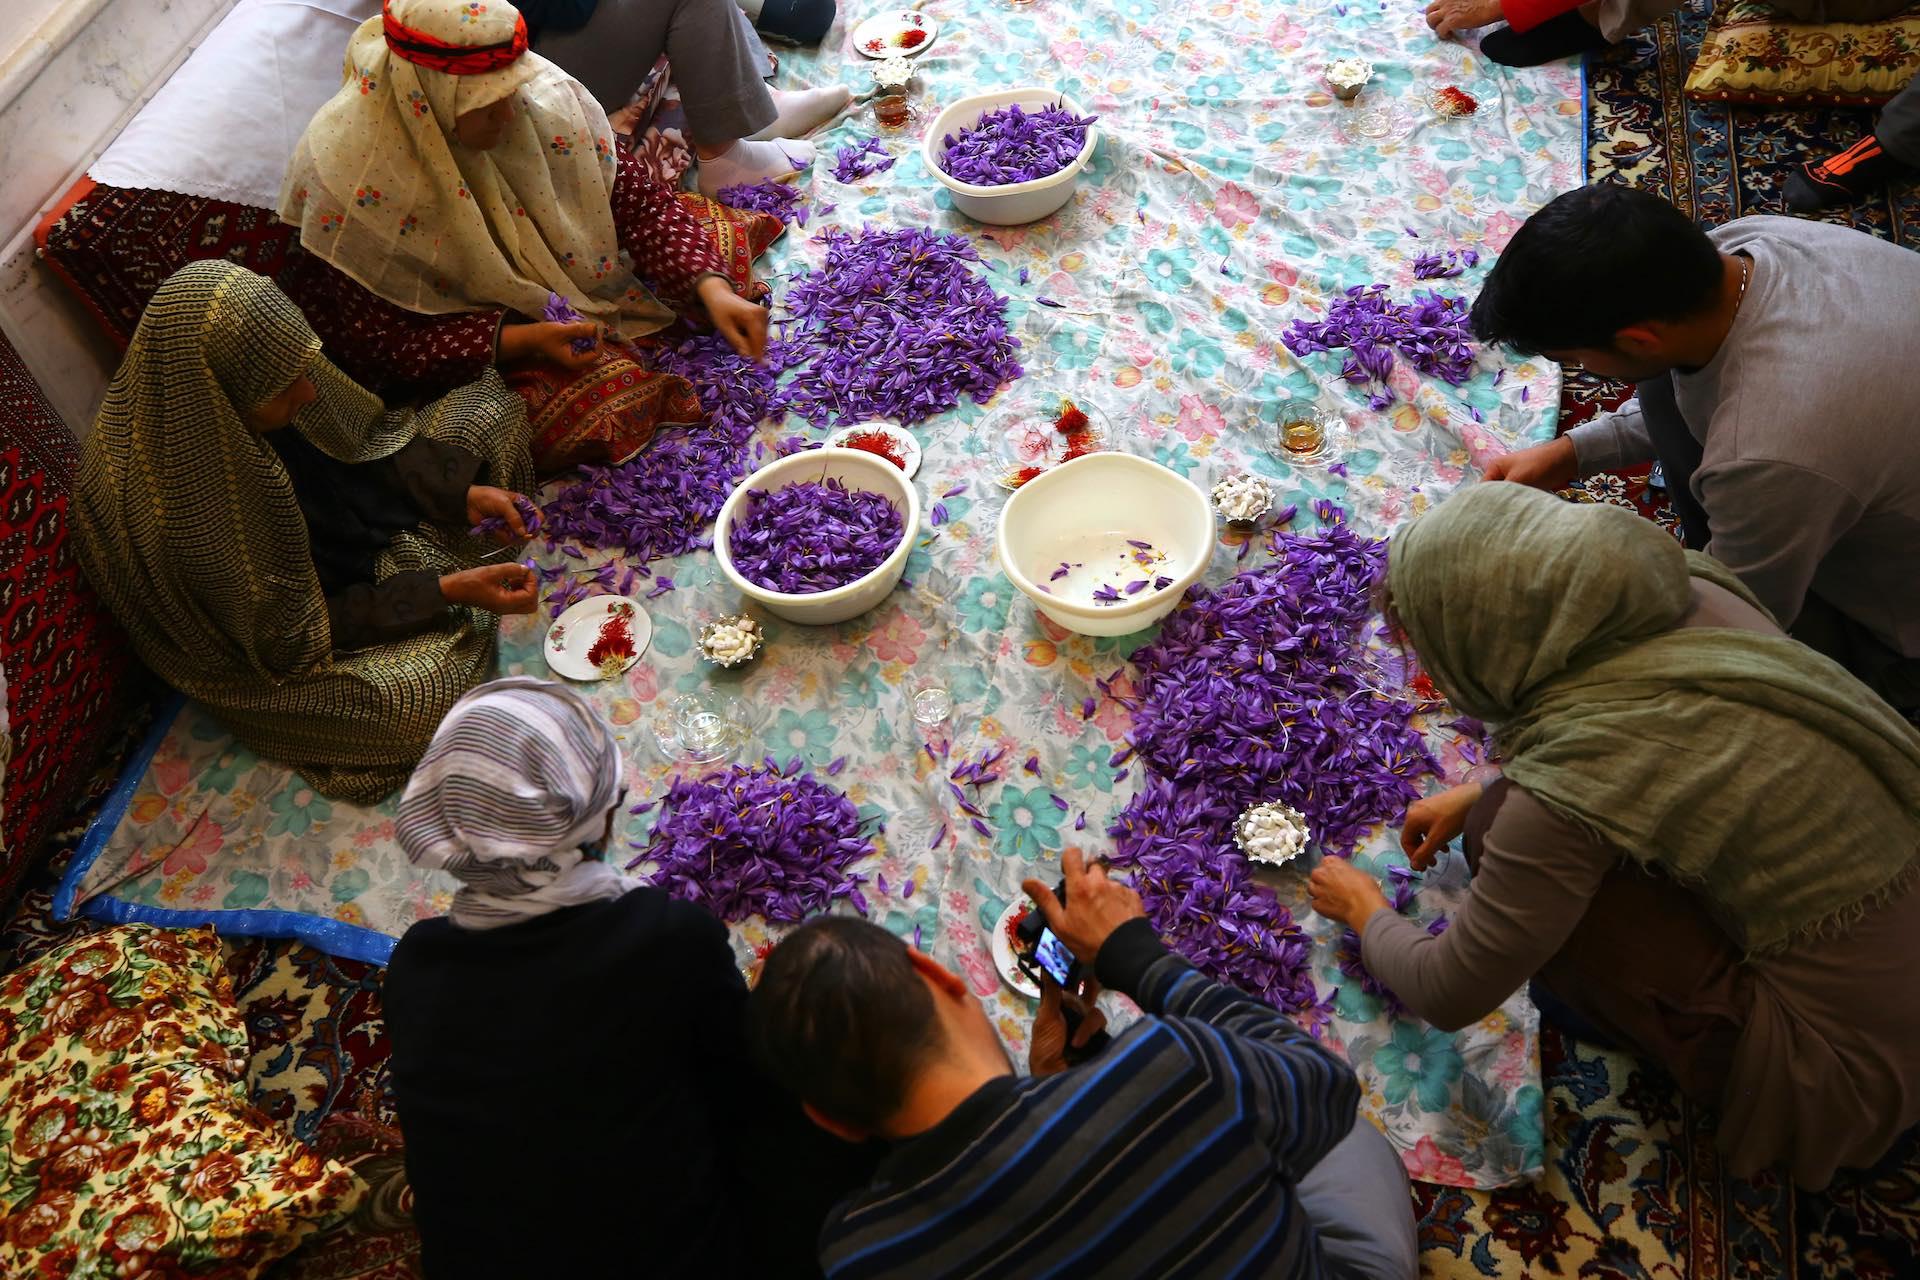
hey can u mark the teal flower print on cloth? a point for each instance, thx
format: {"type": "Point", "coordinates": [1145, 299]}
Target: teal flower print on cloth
{"type": "Point", "coordinates": [1419, 1062]}
{"type": "Point", "coordinates": [1026, 823]}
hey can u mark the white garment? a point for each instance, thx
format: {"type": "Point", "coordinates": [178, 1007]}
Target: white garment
{"type": "Point", "coordinates": [224, 124]}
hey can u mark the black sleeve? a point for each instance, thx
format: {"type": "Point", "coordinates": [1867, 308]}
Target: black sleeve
{"type": "Point", "coordinates": [368, 614]}
{"type": "Point", "coordinates": [435, 477]}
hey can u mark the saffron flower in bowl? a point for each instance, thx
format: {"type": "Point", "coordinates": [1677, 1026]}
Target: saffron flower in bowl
{"type": "Point", "coordinates": [820, 536]}
{"type": "Point", "coordinates": [1011, 156]}
{"type": "Point", "coordinates": [1107, 544]}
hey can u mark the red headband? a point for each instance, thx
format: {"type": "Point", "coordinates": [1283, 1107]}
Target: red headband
{"type": "Point", "coordinates": [455, 59]}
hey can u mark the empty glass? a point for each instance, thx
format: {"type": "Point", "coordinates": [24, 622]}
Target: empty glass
{"type": "Point", "coordinates": [701, 728]}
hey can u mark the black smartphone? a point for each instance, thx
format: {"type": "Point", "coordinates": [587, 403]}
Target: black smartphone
{"type": "Point", "coordinates": [1039, 947]}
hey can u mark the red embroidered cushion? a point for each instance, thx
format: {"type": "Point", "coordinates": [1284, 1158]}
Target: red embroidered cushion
{"type": "Point", "coordinates": [65, 659]}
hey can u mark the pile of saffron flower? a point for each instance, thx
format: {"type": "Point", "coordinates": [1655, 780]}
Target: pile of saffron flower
{"type": "Point", "coordinates": [852, 163]}
{"type": "Point", "coordinates": [813, 536]}
{"type": "Point", "coordinates": [1262, 690]}
{"type": "Point", "coordinates": [1015, 145]}
{"type": "Point", "coordinates": [896, 325]}
{"type": "Point", "coordinates": [662, 501]}
{"type": "Point", "coordinates": [1431, 333]}
{"type": "Point", "coordinates": [769, 841]}
{"type": "Point", "coordinates": [780, 199]}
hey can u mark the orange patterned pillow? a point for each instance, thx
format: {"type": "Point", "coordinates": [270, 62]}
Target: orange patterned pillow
{"type": "Point", "coordinates": [1751, 54]}
{"type": "Point", "coordinates": [127, 1143]}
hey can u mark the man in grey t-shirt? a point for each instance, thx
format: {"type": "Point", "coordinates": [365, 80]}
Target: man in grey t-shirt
{"type": "Point", "coordinates": [1778, 364]}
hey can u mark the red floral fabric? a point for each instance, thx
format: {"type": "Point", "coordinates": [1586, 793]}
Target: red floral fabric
{"type": "Point", "coordinates": [65, 659]}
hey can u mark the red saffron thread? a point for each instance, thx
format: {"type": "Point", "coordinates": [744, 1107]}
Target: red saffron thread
{"type": "Point", "coordinates": [875, 442]}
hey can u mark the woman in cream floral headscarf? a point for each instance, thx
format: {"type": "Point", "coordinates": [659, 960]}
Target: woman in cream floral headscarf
{"type": "Point", "coordinates": [455, 171]}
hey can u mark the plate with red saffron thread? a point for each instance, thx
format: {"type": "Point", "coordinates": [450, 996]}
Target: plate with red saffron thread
{"type": "Point", "coordinates": [904, 33]}
{"type": "Point", "coordinates": [598, 638]}
{"type": "Point", "coordinates": [895, 444]}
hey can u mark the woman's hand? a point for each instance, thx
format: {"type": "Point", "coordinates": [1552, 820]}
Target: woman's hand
{"type": "Point", "coordinates": [1343, 892]}
{"type": "Point", "coordinates": [497, 588]}
{"type": "Point", "coordinates": [552, 342]}
{"type": "Point", "coordinates": [1431, 822]}
{"type": "Point", "coordinates": [1449, 16]}
{"type": "Point", "coordinates": [486, 502]}
{"type": "Point", "coordinates": [743, 324]}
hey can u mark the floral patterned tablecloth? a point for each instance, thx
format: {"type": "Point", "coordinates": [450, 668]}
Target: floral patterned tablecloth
{"type": "Point", "coordinates": [1231, 195]}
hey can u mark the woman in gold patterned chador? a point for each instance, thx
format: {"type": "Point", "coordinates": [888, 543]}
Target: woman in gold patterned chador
{"type": "Point", "coordinates": [282, 547]}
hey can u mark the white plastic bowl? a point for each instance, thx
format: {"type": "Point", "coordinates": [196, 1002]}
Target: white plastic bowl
{"type": "Point", "coordinates": [1016, 202]}
{"type": "Point", "coordinates": [855, 469]}
{"type": "Point", "coordinates": [1114, 495]}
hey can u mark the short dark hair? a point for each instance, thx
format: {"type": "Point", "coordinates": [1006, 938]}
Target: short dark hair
{"type": "Point", "coordinates": [841, 1018]}
{"type": "Point", "coordinates": [1590, 263]}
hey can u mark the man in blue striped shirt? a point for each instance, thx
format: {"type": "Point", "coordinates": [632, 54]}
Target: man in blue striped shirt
{"type": "Point", "coordinates": [1213, 1138]}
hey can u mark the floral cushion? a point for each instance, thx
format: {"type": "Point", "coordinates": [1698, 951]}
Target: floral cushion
{"type": "Point", "coordinates": [1751, 55]}
{"type": "Point", "coordinates": [127, 1144]}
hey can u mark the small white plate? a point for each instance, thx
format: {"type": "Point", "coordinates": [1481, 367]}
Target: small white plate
{"type": "Point", "coordinates": [1002, 947]}
{"type": "Point", "coordinates": [880, 36]}
{"type": "Point", "coordinates": [1021, 425]}
{"type": "Point", "coordinates": [903, 441]}
{"type": "Point", "coordinates": [574, 634]}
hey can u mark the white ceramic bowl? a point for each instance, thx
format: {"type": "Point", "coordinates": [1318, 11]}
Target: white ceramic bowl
{"type": "Point", "coordinates": [1016, 202]}
{"type": "Point", "coordinates": [1110, 496]}
{"type": "Point", "coordinates": [855, 469]}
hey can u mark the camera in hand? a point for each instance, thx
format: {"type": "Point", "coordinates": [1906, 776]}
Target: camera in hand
{"type": "Point", "coordinates": [1038, 947]}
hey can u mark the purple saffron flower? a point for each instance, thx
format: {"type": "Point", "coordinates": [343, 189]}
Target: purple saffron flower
{"type": "Point", "coordinates": [851, 163]}
{"type": "Point", "coordinates": [813, 536]}
{"type": "Point", "coordinates": [1105, 594]}
{"type": "Point", "coordinates": [746, 841]}
{"type": "Point", "coordinates": [777, 198]}
{"type": "Point", "coordinates": [1013, 145]}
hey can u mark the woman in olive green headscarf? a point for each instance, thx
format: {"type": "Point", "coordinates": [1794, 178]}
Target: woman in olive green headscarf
{"type": "Point", "coordinates": [283, 548]}
{"type": "Point", "coordinates": [1705, 839]}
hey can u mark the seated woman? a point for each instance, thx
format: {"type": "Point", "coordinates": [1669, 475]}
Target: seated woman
{"type": "Point", "coordinates": [284, 549]}
{"type": "Point", "coordinates": [569, 1059]}
{"type": "Point", "coordinates": [742, 131]}
{"type": "Point", "coordinates": [1705, 840]}
{"type": "Point", "coordinates": [459, 177]}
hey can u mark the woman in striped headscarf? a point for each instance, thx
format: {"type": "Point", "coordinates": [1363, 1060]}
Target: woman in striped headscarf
{"type": "Point", "coordinates": [566, 1027]}
{"type": "Point", "coordinates": [276, 543]}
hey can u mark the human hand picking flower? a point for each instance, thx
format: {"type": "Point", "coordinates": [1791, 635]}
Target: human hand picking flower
{"type": "Point", "coordinates": [497, 588]}
{"type": "Point", "coordinates": [1548, 466]}
{"type": "Point", "coordinates": [484, 502]}
{"type": "Point", "coordinates": [1343, 892]}
{"type": "Point", "coordinates": [1449, 16]}
{"type": "Point", "coordinates": [551, 341]}
{"type": "Point", "coordinates": [1434, 820]}
{"type": "Point", "coordinates": [743, 324]}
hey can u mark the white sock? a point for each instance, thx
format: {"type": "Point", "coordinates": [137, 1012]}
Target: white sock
{"type": "Point", "coordinates": [804, 110]}
{"type": "Point", "coordinates": [753, 161]}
